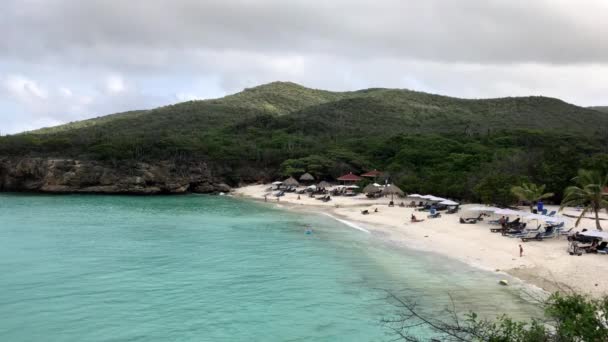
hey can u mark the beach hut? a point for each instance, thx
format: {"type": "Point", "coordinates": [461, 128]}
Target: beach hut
{"type": "Point", "coordinates": [372, 174]}
{"type": "Point", "coordinates": [290, 182]}
{"type": "Point", "coordinates": [349, 178]}
{"type": "Point", "coordinates": [392, 189]}
{"type": "Point", "coordinates": [307, 178]}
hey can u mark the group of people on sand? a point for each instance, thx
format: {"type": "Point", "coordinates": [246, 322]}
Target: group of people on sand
{"type": "Point", "coordinates": [366, 212]}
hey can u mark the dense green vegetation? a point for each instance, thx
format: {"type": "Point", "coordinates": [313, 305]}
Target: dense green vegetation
{"type": "Point", "coordinates": [568, 318]}
{"type": "Point", "coordinates": [469, 149]}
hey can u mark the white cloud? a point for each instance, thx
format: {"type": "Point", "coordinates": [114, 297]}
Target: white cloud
{"type": "Point", "coordinates": [66, 92]}
{"type": "Point", "coordinates": [115, 84]}
{"type": "Point", "coordinates": [156, 52]}
{"type": "Point", "coordinates": [24, 89]}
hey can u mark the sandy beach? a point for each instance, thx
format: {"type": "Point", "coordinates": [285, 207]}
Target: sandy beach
{"type": "Point", "coordinates": [545, 264]}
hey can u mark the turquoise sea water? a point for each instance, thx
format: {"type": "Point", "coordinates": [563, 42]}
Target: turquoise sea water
{"type": "Point", "coordinates": [200, 268]}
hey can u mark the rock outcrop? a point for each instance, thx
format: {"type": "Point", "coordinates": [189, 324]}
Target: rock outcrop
{"type": "Point", "coordinates": [84, 176]}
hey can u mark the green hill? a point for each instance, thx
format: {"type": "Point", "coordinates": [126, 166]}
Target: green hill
{"type": "Point", "coordinates": [392, 109]}
{"type": "Point", "coordinates": [603, 109]}
{"type": "Point", "coordinates": [430, 143]}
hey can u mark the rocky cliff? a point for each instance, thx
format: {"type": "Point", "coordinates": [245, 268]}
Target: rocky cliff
{"type": "Point", "coordinates": [83, 176]}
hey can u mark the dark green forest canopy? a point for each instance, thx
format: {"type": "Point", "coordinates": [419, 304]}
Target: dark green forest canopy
{"type": "Point", "coordinates": [469, 149]}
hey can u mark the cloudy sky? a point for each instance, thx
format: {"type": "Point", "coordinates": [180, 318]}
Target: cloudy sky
{"type": "Point", "coordinates": [65, 60]}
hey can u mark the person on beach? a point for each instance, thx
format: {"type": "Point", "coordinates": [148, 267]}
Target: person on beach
{"type": "Point", "coordinates": [265, 198]}
{"type": "Point", "coordinates": [298, 197]}
{"type": "Point", "coordinates": [503, 225]}
{"type": "Point", "coordinates": [414, 219]}
{"type": "Point", "coordinates": [375, 210]}
{"type": "Point", "coordinates": [521, 251]}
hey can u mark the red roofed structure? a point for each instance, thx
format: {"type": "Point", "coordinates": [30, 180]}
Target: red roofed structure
{"type": "Point", "coordinates": [372, 174]}
{"type": "Point", "coordinates": [350, 178]}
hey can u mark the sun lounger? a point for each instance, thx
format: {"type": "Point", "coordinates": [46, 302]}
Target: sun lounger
{"type": "Point", "coordinates": [549, 234]}
{"type": "Point", "coordinates": [434, 215]}
{"type": "Point", "coordinates": [453, 210]}
{"type": "Point", "coordinates": [551, 214]}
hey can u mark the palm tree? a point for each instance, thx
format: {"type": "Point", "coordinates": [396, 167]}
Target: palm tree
{"type": "Point", "coordinates": [531, 193]}
{"type": "Point", "coordinates": [589, 192]}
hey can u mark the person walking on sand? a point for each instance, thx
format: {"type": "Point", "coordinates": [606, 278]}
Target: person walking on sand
{"type": "Point", "coordinates": [521, 251]}
{"type": "Point", "coordinates": [265, 198]}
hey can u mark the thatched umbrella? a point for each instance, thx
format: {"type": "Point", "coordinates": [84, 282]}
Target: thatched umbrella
{"type": "Point", "coordinates": [307, 177]}
{"type": "Point", "coordinates": [291, 182]}
{"type": "Point", "coordinates": [392, 190]}
{"type": "Point", "coordinates": [371, 189]}
{"type": "Point", "coordinates": [324, 185]}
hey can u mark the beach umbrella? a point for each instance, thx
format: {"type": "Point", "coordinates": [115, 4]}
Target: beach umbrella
{"type": "Point", "coordinates": [414, 196]}
{"type": "Point", "coordinates": [312, 187]}
{"type": "Point", "coordinates": [324, 185]}
{"type": "Point", "coordinates": [291, 182]}
{"type": "Point", "coordinates": [482, 208]}
{"type": "Point", "coordinates": [510, 212]}
{"type": "Point", "coordinates": [435, 198]}
{"type": "Point", "coordinates": [596, 233]}
{"type": "Point", "coordinates": [392, 189]}
{"type": "Point", "coordinates": [378, 185]}
{"type": "Point", "coordinates": [307, 177]}
{"type": "Point", "coordinates": [544, 218]}
{"type": "Point", "coordinates": [352, 187]}
{"type": "Point", "coordinates": [448, 203]}
{"type": "Point", "coordinates": [371, 189]}
{"type": "Point", "coordinates": [277, 183]}
{"type": "Point", "coordinates": [432, 198]}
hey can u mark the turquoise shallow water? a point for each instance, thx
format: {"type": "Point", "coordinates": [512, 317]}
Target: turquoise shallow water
{"type": "Point", "coordinates": [199, 268]}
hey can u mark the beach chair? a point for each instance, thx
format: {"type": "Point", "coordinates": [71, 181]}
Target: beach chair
{"type": "Point", "coordinates": [453, 210]}
{"type": "Point", "coordinates": [514, 224]}
{"type": "Point", "coordinates": [434, 214]}
{"type": "Point", "coordinates": [551, 214]}
{"type": "Point", "coordinates": [548, 234]}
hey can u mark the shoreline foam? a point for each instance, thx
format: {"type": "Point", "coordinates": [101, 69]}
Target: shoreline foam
{"type": "Point", "coordinates": [545, 264]}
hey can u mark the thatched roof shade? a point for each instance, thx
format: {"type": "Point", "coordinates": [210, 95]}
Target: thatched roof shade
{"type": "Point", "coordinates": [324, 185]}
{"type": "Point", "coordinates": [371, 189]}
{"type": "Point", "coordinates": [307, 177]}
{"type": "Point", "coordinates": [291, 182]}
{"type": "Point", "coordinates": [392, 190]}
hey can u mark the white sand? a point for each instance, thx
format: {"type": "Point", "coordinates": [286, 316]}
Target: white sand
{"type": "Point", "coordinates": [545, 264]}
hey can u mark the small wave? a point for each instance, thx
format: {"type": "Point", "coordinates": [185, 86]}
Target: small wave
{"type": "Point", "coordinates": [348, 223]}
